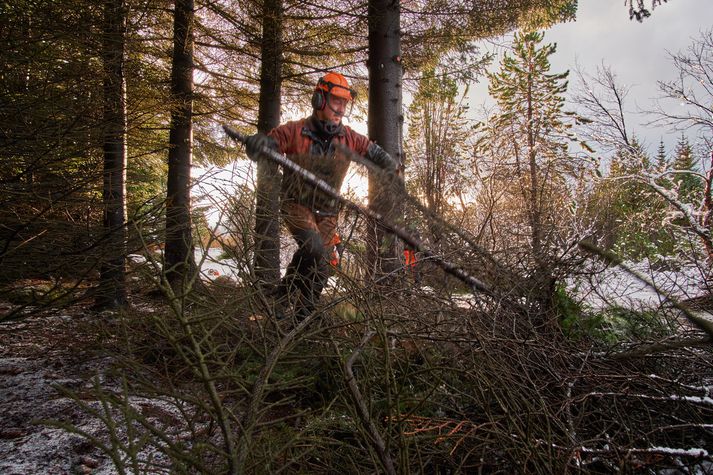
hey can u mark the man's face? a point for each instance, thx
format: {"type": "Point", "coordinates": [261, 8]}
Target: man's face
{"type": "Point", "coordinates": [335, 109]}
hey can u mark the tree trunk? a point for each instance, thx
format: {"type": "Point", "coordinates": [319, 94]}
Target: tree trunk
{"type": "Point", "coordinates": [112, 284]}
{"type": "Point", "coordinates": [542, 280]}
{"type": "Point", "coordinates": [385, 127]}
{"type": "Point", "coordinates": [706, 212]}
{"type": "Point", "coordinates": [267, 209]}
{"type": "Point", "coordinates": [179, 260]}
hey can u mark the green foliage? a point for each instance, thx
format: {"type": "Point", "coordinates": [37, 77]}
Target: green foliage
{"type": "Point", "coordinates": [612, 325]}
{"type": "Point", "coordinates": [630, 324]}
{"type": "Point", "coordinates": [689, 185]}
{"type": "Point", "coordinates": [437, 147]}
{"type": "Point", "coordinates": [576, 322]}
{"type": "Point", "coordinates": [566, 306]}
{"type": "Point", "coordinates": [616, 325]}
{"type": "Point", "coordinates": [630, 215]}
{"type": "Point", "coordinates": [444, 31]}
{"type": "Point", "coordinates": [608, 326]}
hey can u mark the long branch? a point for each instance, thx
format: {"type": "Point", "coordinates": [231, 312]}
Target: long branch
{"type": "Point", "coordinates": [449, 267]}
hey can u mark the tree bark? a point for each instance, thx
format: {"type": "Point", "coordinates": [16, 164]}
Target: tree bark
{"type": "Point", "coordinates": [385, 127]}
{"type": "Point", "coordinates": [112, 283]}
{"type": "Point", "coordinates": [267, 209]}
{"type": "Point", "coordinates": [179, 259]}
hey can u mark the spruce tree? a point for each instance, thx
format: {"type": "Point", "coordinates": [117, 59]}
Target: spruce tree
{"type": "Point", "coordinates": [112, 290]}
{"type": "Point", "coordinates": [661, 162]}
{"type": "Point", "coordinates": [635, 211]}
{"type": "Point", "coordinates": [179, 259]}
{"type": "Point", "coordinates": [689, 184]}
{"type": "Point", "coordinates": [528, 139]}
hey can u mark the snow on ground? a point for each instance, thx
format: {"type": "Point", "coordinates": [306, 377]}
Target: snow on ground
{"type": "Point", "coordinates": [28, 395]}
{"type": "Point", "coordinates": [213, 265]}
{"type": "Point", "coordinates": [618, 287]}
{"type": "Point", "coordinates": [37, 355]}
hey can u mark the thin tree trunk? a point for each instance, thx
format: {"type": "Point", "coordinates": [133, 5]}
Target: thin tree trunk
{"type": "Point", "coordinates": [534, 205]}
{"type": "Point", "coordinates": [112, 285]}
{"type": "Point", "coordinates": [179, 259]}
{"type": "Point", "coordinates": [706, 214]}
{"type": "Point", "coordinates": [267, 209]}
{"type": "Point", "coordinates": [385, 127]}
{"type": "Point", "coordinates": [543, 282]}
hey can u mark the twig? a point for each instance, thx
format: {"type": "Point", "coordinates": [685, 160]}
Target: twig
{"type": "Point", "coordinates": [376, 439]}
{"type": "Point", "coordinates": [248, 422]}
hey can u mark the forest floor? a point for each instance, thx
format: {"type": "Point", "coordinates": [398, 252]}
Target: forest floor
{"type": "Point", "coordinates": [38, 354]}
{"type": "Point", "coordinates": [51, 349]}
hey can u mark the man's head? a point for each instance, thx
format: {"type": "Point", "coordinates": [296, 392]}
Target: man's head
{"type": "Point", "coordinates": [331, 97]}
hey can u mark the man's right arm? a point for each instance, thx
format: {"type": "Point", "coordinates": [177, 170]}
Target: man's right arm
{"type": "Point", "coordinates": [255, 144]}
{"type": "Point", "coordinates": [280, 139]}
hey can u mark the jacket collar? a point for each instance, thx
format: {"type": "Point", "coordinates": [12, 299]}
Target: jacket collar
{"type": "Point", "coordinates": [313, 124]}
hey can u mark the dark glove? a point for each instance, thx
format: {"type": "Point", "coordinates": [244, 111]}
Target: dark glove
{"type": "Point", "coordinates": [254, 145]}
{"type": "Point", "coordinates": [381, 158]}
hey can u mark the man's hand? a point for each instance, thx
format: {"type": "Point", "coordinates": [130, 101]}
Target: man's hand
{"type": "Point", "coordinates": [254, 145]}
{"type": "Point", "coordinates": [382, 159]}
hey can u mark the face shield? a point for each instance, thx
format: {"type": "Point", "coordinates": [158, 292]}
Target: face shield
{"type": "Point", "coordinates": [340, 99]}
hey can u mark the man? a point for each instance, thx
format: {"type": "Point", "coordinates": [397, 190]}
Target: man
{"type": "Point", "coordinates": [310, 215]}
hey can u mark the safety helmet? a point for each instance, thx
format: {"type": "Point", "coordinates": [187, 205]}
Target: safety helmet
{"type": "Point", "coordinates": [334, 84]}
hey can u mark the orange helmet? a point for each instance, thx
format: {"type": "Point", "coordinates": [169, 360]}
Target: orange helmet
{"type": "Point", "coordinates": [334, 84]}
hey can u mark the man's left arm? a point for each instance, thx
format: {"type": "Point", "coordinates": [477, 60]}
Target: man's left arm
{"type": "Point", "coordinates": [381, 158]}
{"type": "Point", "coordinates": [374, 153]}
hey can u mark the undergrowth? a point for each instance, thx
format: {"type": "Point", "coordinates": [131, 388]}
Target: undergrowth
{"type": "Point", "coordinates": [410, 382]}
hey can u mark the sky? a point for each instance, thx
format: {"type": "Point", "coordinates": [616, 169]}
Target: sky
{"type": "Point", "coordinates": [636, 52]}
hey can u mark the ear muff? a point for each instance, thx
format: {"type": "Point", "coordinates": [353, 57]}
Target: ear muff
{"type": "Point", "coordinates": [319, 101]}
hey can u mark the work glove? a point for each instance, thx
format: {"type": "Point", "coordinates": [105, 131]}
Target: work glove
{"type": "Point", "coordinates": [382, 159]}
{"type": "Point", "coordinates": [254, 145]}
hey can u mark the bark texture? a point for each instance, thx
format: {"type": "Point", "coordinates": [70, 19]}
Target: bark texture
{"type": "Point", "coordinates": [179, 242]}
{"type": "Point", "coordinates": [267, 209]}
{"type": "Point", "coordinates": [385, 127]}
{"type": "Point", "coordinates": [112, 285]}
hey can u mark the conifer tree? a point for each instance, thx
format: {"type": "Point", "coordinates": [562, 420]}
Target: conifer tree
{"type": "Point", "coordinates": [180, 263]}
{"type": "Point", "coordinates": [385, 125]}
{"type": "Point", "coordinates": [689, 185]}
{"type": "Point", "coordinates": [112, 291]}
{"type": "Point", "coordinates": [661, 162]}
{"type": "Point", "coordinates": [636, 212]}
{"type": "Point", "coordinates": [267, 230]}
{"type": "Point", "coordinates": [527, 141]}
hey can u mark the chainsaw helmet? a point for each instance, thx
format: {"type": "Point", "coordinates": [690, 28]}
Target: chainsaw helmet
{"type": "Point", "coordinates": [331, 84]}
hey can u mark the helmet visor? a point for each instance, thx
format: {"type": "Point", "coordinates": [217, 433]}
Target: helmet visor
{"type": "Point", "coordinates": [337, 90]}
{"type": "Point", "coordinates": [340, 105]}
